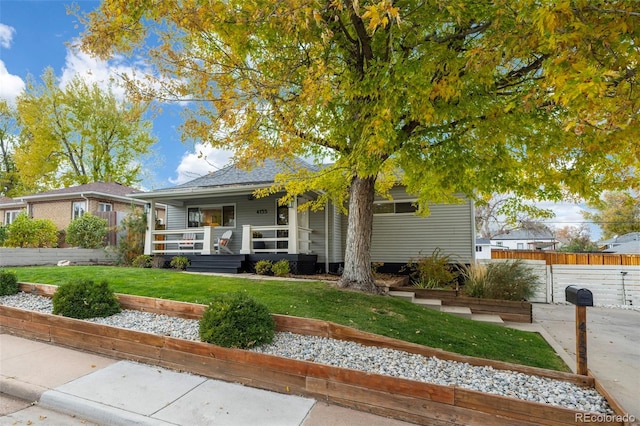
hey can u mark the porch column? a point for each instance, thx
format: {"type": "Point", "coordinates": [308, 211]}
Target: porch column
{"type": "Point", "coordinates": [247, 236]}
{"type": "Point", "coordinates": [293, 227]}
{"type": "Point", "coordinates": [151, 226]}
{"type": "Point", "coordinates": [207, 245]}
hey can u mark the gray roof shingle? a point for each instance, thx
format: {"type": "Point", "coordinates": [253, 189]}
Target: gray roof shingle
{"type": "Point", "coordinates": [109, 188]}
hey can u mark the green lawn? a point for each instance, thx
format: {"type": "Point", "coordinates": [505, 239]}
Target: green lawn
{"type": "Point", "coordinates": [312, 299]}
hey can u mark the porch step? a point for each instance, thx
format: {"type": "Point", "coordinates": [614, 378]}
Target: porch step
{"type": "Point", "coordinates": [221, 263]}
{"type": "Point", "coordinates": [492, 319]}
{"type": "Point", "coordinates": [435, 304]}
{"type": "Point", "coordinates": [460, 311]}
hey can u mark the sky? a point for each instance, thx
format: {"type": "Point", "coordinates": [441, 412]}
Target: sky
{"type": "Point", "coordinates": [36, 34]}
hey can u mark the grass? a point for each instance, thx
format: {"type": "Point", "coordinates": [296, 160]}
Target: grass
{"type": "Point", "coordinates": [382, 315]}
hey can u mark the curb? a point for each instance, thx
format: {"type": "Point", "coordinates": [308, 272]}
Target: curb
{"type": "Point", "coordinates": [21, 390]}
{"type": "Point", "coordinates": [94, 411]}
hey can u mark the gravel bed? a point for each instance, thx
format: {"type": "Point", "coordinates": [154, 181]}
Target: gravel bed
{"type": "Point", "coordinates": [365, 358]}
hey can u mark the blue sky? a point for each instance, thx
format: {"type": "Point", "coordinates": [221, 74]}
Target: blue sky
{"type": "Point", "coordinates": [34, 34]}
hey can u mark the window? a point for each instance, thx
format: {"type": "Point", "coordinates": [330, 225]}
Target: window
{"type": "Point", "coordinates": [79, 208]}
{"type": "Point", "coordinates": [395, 208]}
{"type": "Point", "coordinates": [11, 215]}
{"type": "Point", "coordinates": [478, 249]}
{"type": "Point", "coordinates": [211, 216]}
{"type": "Point", "coordinates": [105, 207]}
{"type": "Point", "coordinates": [520, 246]}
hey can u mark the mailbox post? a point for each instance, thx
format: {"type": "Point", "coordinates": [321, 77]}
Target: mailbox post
{"type": "Point", "coordinates": [581, 297]}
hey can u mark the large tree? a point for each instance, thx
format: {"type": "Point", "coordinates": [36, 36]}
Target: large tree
{"type": "Point", "coordinates": [501, 213]}
{"type": "Point", "coordinates": [10, 183]}
{"type": "Point", "coordinates": [79, 133]}
{"type": "Point", "coordinates": [618, 213]}
{"type": "Point", "coordinates": [446, 97]}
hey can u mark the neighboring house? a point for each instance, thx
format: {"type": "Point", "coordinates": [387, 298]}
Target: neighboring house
{"type": "Point", "coordinates": [200, 211]}
{"type": "Point", "coordinates": [627, 243]}
{"type": "Point", "coordinates": [483, 248]}
{"type": "Point", "coordinates": [524, 239]}
{"type": "Point", "coordinates": [106, 199]}
{"type": "Point", "coordinates": [10, 209]}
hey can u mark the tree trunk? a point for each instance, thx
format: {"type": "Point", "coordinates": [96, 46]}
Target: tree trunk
{"type": "Point", "coordinates": [357, 273]}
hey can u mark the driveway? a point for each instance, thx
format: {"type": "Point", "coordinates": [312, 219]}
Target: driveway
{"type": "Point", "coordinates": [613, 346]}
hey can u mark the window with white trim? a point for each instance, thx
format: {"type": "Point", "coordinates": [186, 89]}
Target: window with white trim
{"type": "Point", "coordinates": [79, 208]}
{"type": "Point", "coordinates": [11, 215]}
{"type": "Point", "coordinates": [105, 207]}
{"type": "Point", "coordinates": [224, 216]}
{"type": "Point", "coordinates": [395, 207]}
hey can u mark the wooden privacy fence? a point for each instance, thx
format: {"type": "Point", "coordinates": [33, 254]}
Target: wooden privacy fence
{"type": "Point", "coordinates": [557, 258]}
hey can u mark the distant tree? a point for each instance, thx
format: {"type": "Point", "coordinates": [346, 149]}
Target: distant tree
{"type": "Point", "coordinates": [619, 214]}
{"type": "Point", "coordinates": [10, 183]}
{"type": "Point", "coordinates": [576, 239]}
{"type": "Point", "coordinates": [499, 214]}
{"type": "Point", "coordinates": [464, 97]}
{"type": "Point", "coordinates": [79, 134]}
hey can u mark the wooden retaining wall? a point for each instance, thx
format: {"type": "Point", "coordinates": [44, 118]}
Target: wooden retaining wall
{"type": "Point", "coordinates": [506, 309]}
{"type": "Point", "coordinates": [418, 402]}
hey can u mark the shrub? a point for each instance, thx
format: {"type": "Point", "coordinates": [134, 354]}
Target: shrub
{"type": "Point", "coordinates": [85, 299]}
{"type": "Point", "coordinates": [180, 262]}
{"type": "Point", "coordinates": [8, 283]}
{"type": "Point", "coordinates": [27, 232]}
{"type": "Point", "coordinates": [142, 261]}
{"type": "Point", "coordinates": [3, 235]}
{"type": "Point", "coordinates": [131, 245]}
{"type": "Point", "coordinates": [158, 262]}
{"type": "Point", "coordinates": [433, 271]}
{"type": "Point", "coordinates": [281, 268]}
{"type": "Point", "coordinates": [87, 231]}
{"type": "Point", "coordinates": [263, 267]}
{"type": "Point", "coordinates": [510, 280]}
{"type": "Point", "coordinates": [236, 321]}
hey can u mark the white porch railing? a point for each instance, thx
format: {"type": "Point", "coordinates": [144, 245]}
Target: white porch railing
{"type": "Point", "coordinates": [273, 239]}
{"type": "Point", "coordinates": [181, 241]}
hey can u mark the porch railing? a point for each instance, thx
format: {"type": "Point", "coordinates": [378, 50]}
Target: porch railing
{"type": "Point", "coordinates": [271, 239]}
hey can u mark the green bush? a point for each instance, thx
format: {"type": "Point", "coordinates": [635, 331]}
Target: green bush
{"type": "Point", "coordinates": [27, 232]}
{"type": "Point", "coordinates": [510, 280]}
{"type": "Point", "coordinates": [142, 261]}
{"type": "Point", "coordinates": [179, 262]}
{"type": "Point", "coordinates": [236, 321]}
{"type": "Point", "coordinates": [131, 245]}
{"type": "Point", "coordinates": [263, 267]}
{"type": "Point", "coordinates": [85, 299]}
{"type": "Point", "coordinates": [8, 283]}
{"type": "Point", "coordinates": [433, 271]}
{"type": "Point", "coordinates": [3, 235]}
{"type": "Point", "coordinates": [87, 231]}
{"type": "Point", "coordinates": [281, 268]}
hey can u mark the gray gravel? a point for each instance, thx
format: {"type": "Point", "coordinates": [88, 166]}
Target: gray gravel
{"type": "Point", "coordinates": [365, 358]}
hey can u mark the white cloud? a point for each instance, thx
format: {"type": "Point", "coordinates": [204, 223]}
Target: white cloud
{"type": "Point", "coordinates": [10, 85]}
{"type": "Point", "coordinates": [203, 160]}
{"type": "Point", "coordinates": [6, 35]}
{"type": "Point", "coordinates": [570, 214]}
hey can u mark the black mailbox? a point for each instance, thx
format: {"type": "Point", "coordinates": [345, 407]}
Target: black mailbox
{"type": "Point", "coordinates": [578, 296]}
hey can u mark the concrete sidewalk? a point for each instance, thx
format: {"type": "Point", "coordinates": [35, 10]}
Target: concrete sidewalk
{"type": "Point", "coordinates": [75, 388]}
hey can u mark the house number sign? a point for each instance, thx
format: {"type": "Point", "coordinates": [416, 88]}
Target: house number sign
{"type": "Point", "coordinates": [261, 211]}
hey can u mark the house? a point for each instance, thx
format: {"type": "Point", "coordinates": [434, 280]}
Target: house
{"type": "Point", "coordinates": [110, 200]}
{"type": "Point", "coordinates": [627, 244]}
{"type": "Point", "coordinates": [200, 211]}
{"type": "Point", "coordinates": [483, 248]}
{"type": "Point", "coordinates": [526, 239]}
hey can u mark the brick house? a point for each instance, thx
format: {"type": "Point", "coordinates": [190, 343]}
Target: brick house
{"type": "Point", "coordinates": [109, 200]}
